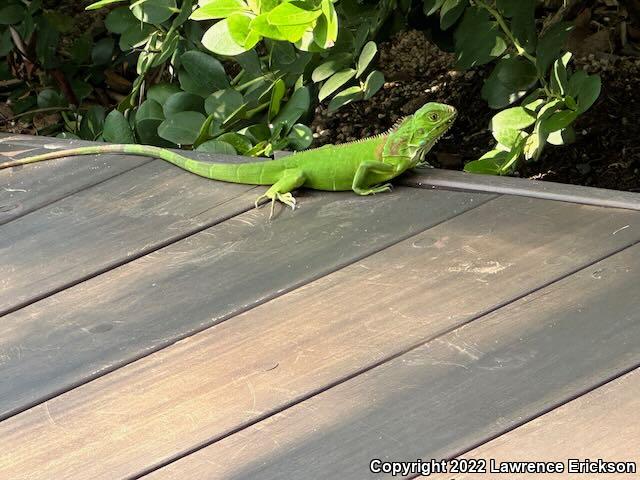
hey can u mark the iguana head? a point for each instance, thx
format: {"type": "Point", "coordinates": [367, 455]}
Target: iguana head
{"type": "Point", "coordinates": [428, 125]}
{"type": "Point", "coordinates": [417, 133]}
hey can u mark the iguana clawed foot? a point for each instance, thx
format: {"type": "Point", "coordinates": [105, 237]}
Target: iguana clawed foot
{"type": "Point", "coordinates": [285, 198]}
{"type": "Point", "coordinates": [373, 190]}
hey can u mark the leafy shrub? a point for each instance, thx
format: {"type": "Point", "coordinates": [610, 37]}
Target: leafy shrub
{"type": "Point", "coordinates": [529, 68]}
{"type": "Point", "coordinates": [242, 76]}
{"type": "Point", "coordinates": [229, 76]}
{"type": "Point", "coordinates": [32, 47]}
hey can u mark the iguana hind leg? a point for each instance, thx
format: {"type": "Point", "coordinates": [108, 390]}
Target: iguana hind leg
{"type": "Point", "coordinates": [281, 190]}
{"type": "Point", "coordinates": [362, 184]}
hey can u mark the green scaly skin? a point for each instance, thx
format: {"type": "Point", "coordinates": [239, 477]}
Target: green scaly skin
{"type": "Point", "coordinates": [363, 166]}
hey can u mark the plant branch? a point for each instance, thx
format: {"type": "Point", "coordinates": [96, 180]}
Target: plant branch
{"type": "Point", "coordinates": [505, 28]}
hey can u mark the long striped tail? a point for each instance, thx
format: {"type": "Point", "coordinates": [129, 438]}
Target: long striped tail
{"type": "Point", "coordinates": [254, 173]}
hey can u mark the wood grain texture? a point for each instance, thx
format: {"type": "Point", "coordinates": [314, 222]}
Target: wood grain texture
{"type": "Point", "coordinates": [150, 302]}
{"type": "Point", "coordinates": [25, 189]}
{"type": "Point", "coordinates": [109, 224]}
{"type": "Point", "coordinates": [451, 393]}
{"type": "Point", "coordinates": [601, 424]}
{"type": "Point", "coordinates": [279, 353]}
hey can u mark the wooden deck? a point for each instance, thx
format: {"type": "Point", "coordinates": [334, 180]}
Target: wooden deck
{"type": "Point", "coordinates": [155, 325]}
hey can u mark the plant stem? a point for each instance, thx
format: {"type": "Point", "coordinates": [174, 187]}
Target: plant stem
{"type": "Point", "coordinates": [503, 25]}
{"type": "Point", "coordinates": [43, 110]}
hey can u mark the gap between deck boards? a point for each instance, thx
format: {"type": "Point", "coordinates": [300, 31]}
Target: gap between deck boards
{"type": "Point", "coordinates": [460, 210]}
{"type": "Point", "coordinates": [556, 391]}
{"type": "Point", "coordinates": [405, 351]}
{"type": "Point", "coordinates": [558, 213]}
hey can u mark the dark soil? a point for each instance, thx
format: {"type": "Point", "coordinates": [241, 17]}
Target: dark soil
{"type": "Point", "coordinates": [606, 153]}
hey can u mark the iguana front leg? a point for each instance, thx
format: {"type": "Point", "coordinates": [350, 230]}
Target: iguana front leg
{"type": "Point", "coordinates": [362, 186]}
{"type": "Point", "coordinates": [281, 190]}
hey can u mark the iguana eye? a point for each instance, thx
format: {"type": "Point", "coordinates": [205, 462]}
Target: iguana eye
{"type": "Point", "coordinates": [433, 117]}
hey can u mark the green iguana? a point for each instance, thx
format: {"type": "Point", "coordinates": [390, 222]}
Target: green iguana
{"type": "Point", "coordinates": [362, 166]}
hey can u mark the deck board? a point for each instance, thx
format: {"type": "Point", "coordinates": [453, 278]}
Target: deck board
{"type": "Point", "coordinates": [451, 393]}
{"type": "Point", "coordinates": [148, 303]}
{"type": "Point", "coordinates": [25, 189]}
{"type": "Point", "coordinates": [601, 424]}
{"type": "Point", "coordinates": [108, 224]}
{"type": "Point", "coordinates": [336, 327]}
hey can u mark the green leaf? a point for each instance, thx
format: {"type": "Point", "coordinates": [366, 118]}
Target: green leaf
{"type": "Point", "coordinates": [257, 133]}
{"type": "Point", "coordinates": [219, 9]}
{"type": "Point", "coordinates": [153, 11]}
{"type": "Point", "coordinates": [239, 28]}
{"type": "Point", "coordinates": [80, 49]}
{"type": "Point", "coordinates": [574, 84]}
{"type": "Point", "coordinates": [325, 32]}
{"type": "Point", "coordinates": [261, 26]}
{"type": "Point", "coordinates": [92, 123]}
{"type": "Point", "coordinates": [205, 70]}
{"type": "Point", "coordinates": [102, 51]}
{"type": "Point", "coordinates": [167, 47]}
{"type": "Point", "coordinates": [550, 45]}
{"type": "Point", "coordinates": [135, 36]}
{"type": "Point", "coordinates": [360, 37]}
{"type": "Point", "coordinates": [223, 103]}
{"type": "Point", "coordinates": [373, 83]}
{"type": "Point", "coordinates": [182, 102]}
{"type": "Point", "coordinates": [368, 52]}
{"type": "Point", "coordinates": [534, 144]}
{"type": "Point", "coordinates": [431, 6]}
{"type": "Point", "coordinates": [6, 45]}
{"type": "Point", "coordinates": [523, 25]}
{"type": "Point", "coordinates": [48, 38]}
{"type": "Point", "coordinates": [346, 96]}
{"type": "Point", "coordinates": [239, 142]}
{"type": "Point", "coordinates": [300, 137]}
{"type": "Point", "coordinates": [101, 3]}
{"type": "Point", "coordinates": [215, 146]}
{"type": "Point", "coordinates": [332, 65]}
{"type": "Point", "coordinates": [181, 128]}
{"type": "Point", "coordinates": [508, 137]}
{"type": "Point", "coordinates": [162, 91]}
{"type": "Point", "coordinates": [565, 136]}
{"type": "Point", "coordinates": [50, 99]}
{"type": "Point", "coordinates": [517, 74]}
{"type": "Point", "coordinates": [292, 13]}
{"type": "Point", "coordinates": [489, 164]}
{"type": "Point", "coordinates": [559, 82]}
{"type": "Point", "coordinates": [589, 92]}
{"type": "Point", "coordinates": [451, 12]}
{"type": "Point", "coordinates": [478, 40]}
{"type": "Point", "coordinates": [515, 118]}
{"type": "Point", "coordinates": [117, 129]}
{"type": "Point", "coordinates": [148, 117]}
{"type": "Point", "coordinates": [558, 120]}
{"type": "Point", "coordinates": [570, 102]}
{"type": "Point", "coordinates": [534, 100]}
{"type": "Point", "coordinates": [250, 63]}
{"type": "Point", "coordinates": [277, 94]}
{"type": "Point", "coordinates": [495, 162]}
{"type": "Point", "coordinates": [295, 33]}
{"type": "Point", "coordinates": [209, 128]}
{"type": "Point", "coordinates": [548, 109]}
{"type": "Point", "coordinates": [218, 39]}
{"type": "Point", "coordinates": [296, 106]}
{"type": "Point", "coordinates": [509, 81]}
{"type": "Point", "coordinates": [335, 82]}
